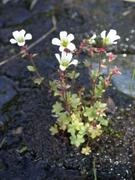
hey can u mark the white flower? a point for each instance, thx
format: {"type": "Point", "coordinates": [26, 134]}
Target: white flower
{"type": "Point", "coordinates": [65, 60]}
{"type": "Point", "coordinates": [64, 42]}
{"type": "Point", "coordinates": [20, 37]}
{"type": "Point", "coordinates": [110, 38]}
{"type": "Point", "coordinates": [92, 40]}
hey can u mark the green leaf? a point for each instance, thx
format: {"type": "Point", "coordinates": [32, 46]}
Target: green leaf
{"type": "Point", "coordinates": [54, 129]}
{"type": "Point", "coordinates": [38, 80]}
{"type": "Point", "coordinates": [99, 89]}
{"type": "Point", "coordinates": [94, 131]}
{"type": "Point", "coordinates": [90, 113]}
{"type": "Point", "coordinates": [74, 100]}
{"type": "Point", "coordinates": [73, 75]}
{"type": "Point", "coordinates": [86, 150]}
{"type": "Point", "coordinates": [103, 121]}
{"type": "Point", "coordinates": [101, 106]}
{"type": "Point", "coordinates": [94, 74]}
{"type": "Point", "coordinates": [63, 120]}
{"type": "Point", "coordinates": [54, 87]}
{"type": "Point", "coordinates": [76, 127]}
{"type": "Point", "coordinates": [77, 140]}
{"type": "Point", "coordinates": [96, 112]}
{"type": "Point", "coordinates": [31, 68]}
{"type": "Point", "coordinates": [57, 108]}
{"type": "Point", "coordinates": [87, 63]}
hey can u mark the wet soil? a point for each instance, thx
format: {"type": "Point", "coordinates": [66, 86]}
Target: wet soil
{"type": "Point", "coordinates": [27, 149]}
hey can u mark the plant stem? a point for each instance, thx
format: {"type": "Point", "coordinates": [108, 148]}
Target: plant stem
{"type": "Point", "coordinates": [34, 65]}
{"type": "Point", "coordinates": [64, 91]}
{"type": "Point", "coordinates": [99, 66]}
{"type": "Point", "coordinates": [73, 80]}
{"type": "Point", "coordinates": [62, 83]}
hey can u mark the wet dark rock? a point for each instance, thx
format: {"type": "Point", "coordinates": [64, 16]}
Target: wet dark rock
{"type": "Point", "coordinates": [7, 90]}
{"type": "Point", "coordinates": [19, 16]}
{"type": "Point", "coordinates": [119, 172]}
{"type": "Point", "coordinates": [11, 141]}
{"type": "Point", "coordinates": [124, 84]}
{"type": "Point", "coordinates": [2, 165]}
{"type": "Point", "coordinates": [5, 35]}
{"type": "Point", "coordinates": [1, 22]}
{"type": "Point", "coordinates": [59, 173]}
{"type": "Point", "coordinates": [41, 7]}
{"type": "Point", "coordinates": [17, 167]}
{"type": "Point", "coordinates": [1, 121]}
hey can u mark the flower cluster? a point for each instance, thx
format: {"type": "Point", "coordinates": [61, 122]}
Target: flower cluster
{"type": "Point", "coordinates": [105, 39]}
{"type": "Point", "coordinates": [66, 47]}
{"type": "Point", "coordinates": [110, 38]}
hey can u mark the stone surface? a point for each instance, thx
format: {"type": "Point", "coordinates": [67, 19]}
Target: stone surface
{"type": "Point", "coordinates": [7, 90]}
{"type": "Point", "coordinates": [125, 84]}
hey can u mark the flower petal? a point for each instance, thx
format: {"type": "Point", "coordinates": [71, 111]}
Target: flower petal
{"type": "Point", "coordinates": [116, 37]}
{"type": "Point", "coordinates": [22, 32]}
{"type": "Point", "coordinates": [63, 34]}
{"type": "Point", "coordinates": [112, 33]}
{"type": "Point", "coordinates": [58, 57]}
{"type": "Point", "coordinates": [70, 37]}
{"type": "Point", "coordinates": [56, 41]}
{"type": "Point", "coordinates": [69, 57]}
{"type": "Point", "coordinates": [74, 62]}
{"type": "Point", "coordinates": [61, 48]}
{"type": "Point", "coordinates": [71, 47]}
{"type": "Point", "coordinates": [94, 36]}
{"type": "Point", "coordinates": [21, 43]}
{"type": "Point", "coordinates": [92, 39]}
{"type": "Point", "coordinates": [103, 34]}
{"type": "Point", "coordinates": [63, 55]}
{"type": "Point", "coordinates": [13, 41]}
{"type": "Point", "coordinates": [28, 36]}
{"type": "Point", "coordinates": [15, 34]}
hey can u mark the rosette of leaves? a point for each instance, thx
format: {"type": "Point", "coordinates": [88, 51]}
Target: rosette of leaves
{"type": "Point", "coordinates": [82, 123]}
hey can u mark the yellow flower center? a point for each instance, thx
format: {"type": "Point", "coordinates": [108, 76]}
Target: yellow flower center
{"type": "Point", "coordinates": [106, 41]}
{"type": "Point", "coordinates": [64, 43]}
{"type": "Point", "coordinates": [20, 39]}
{"type": "Point", "coordinates": [65, 63]}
